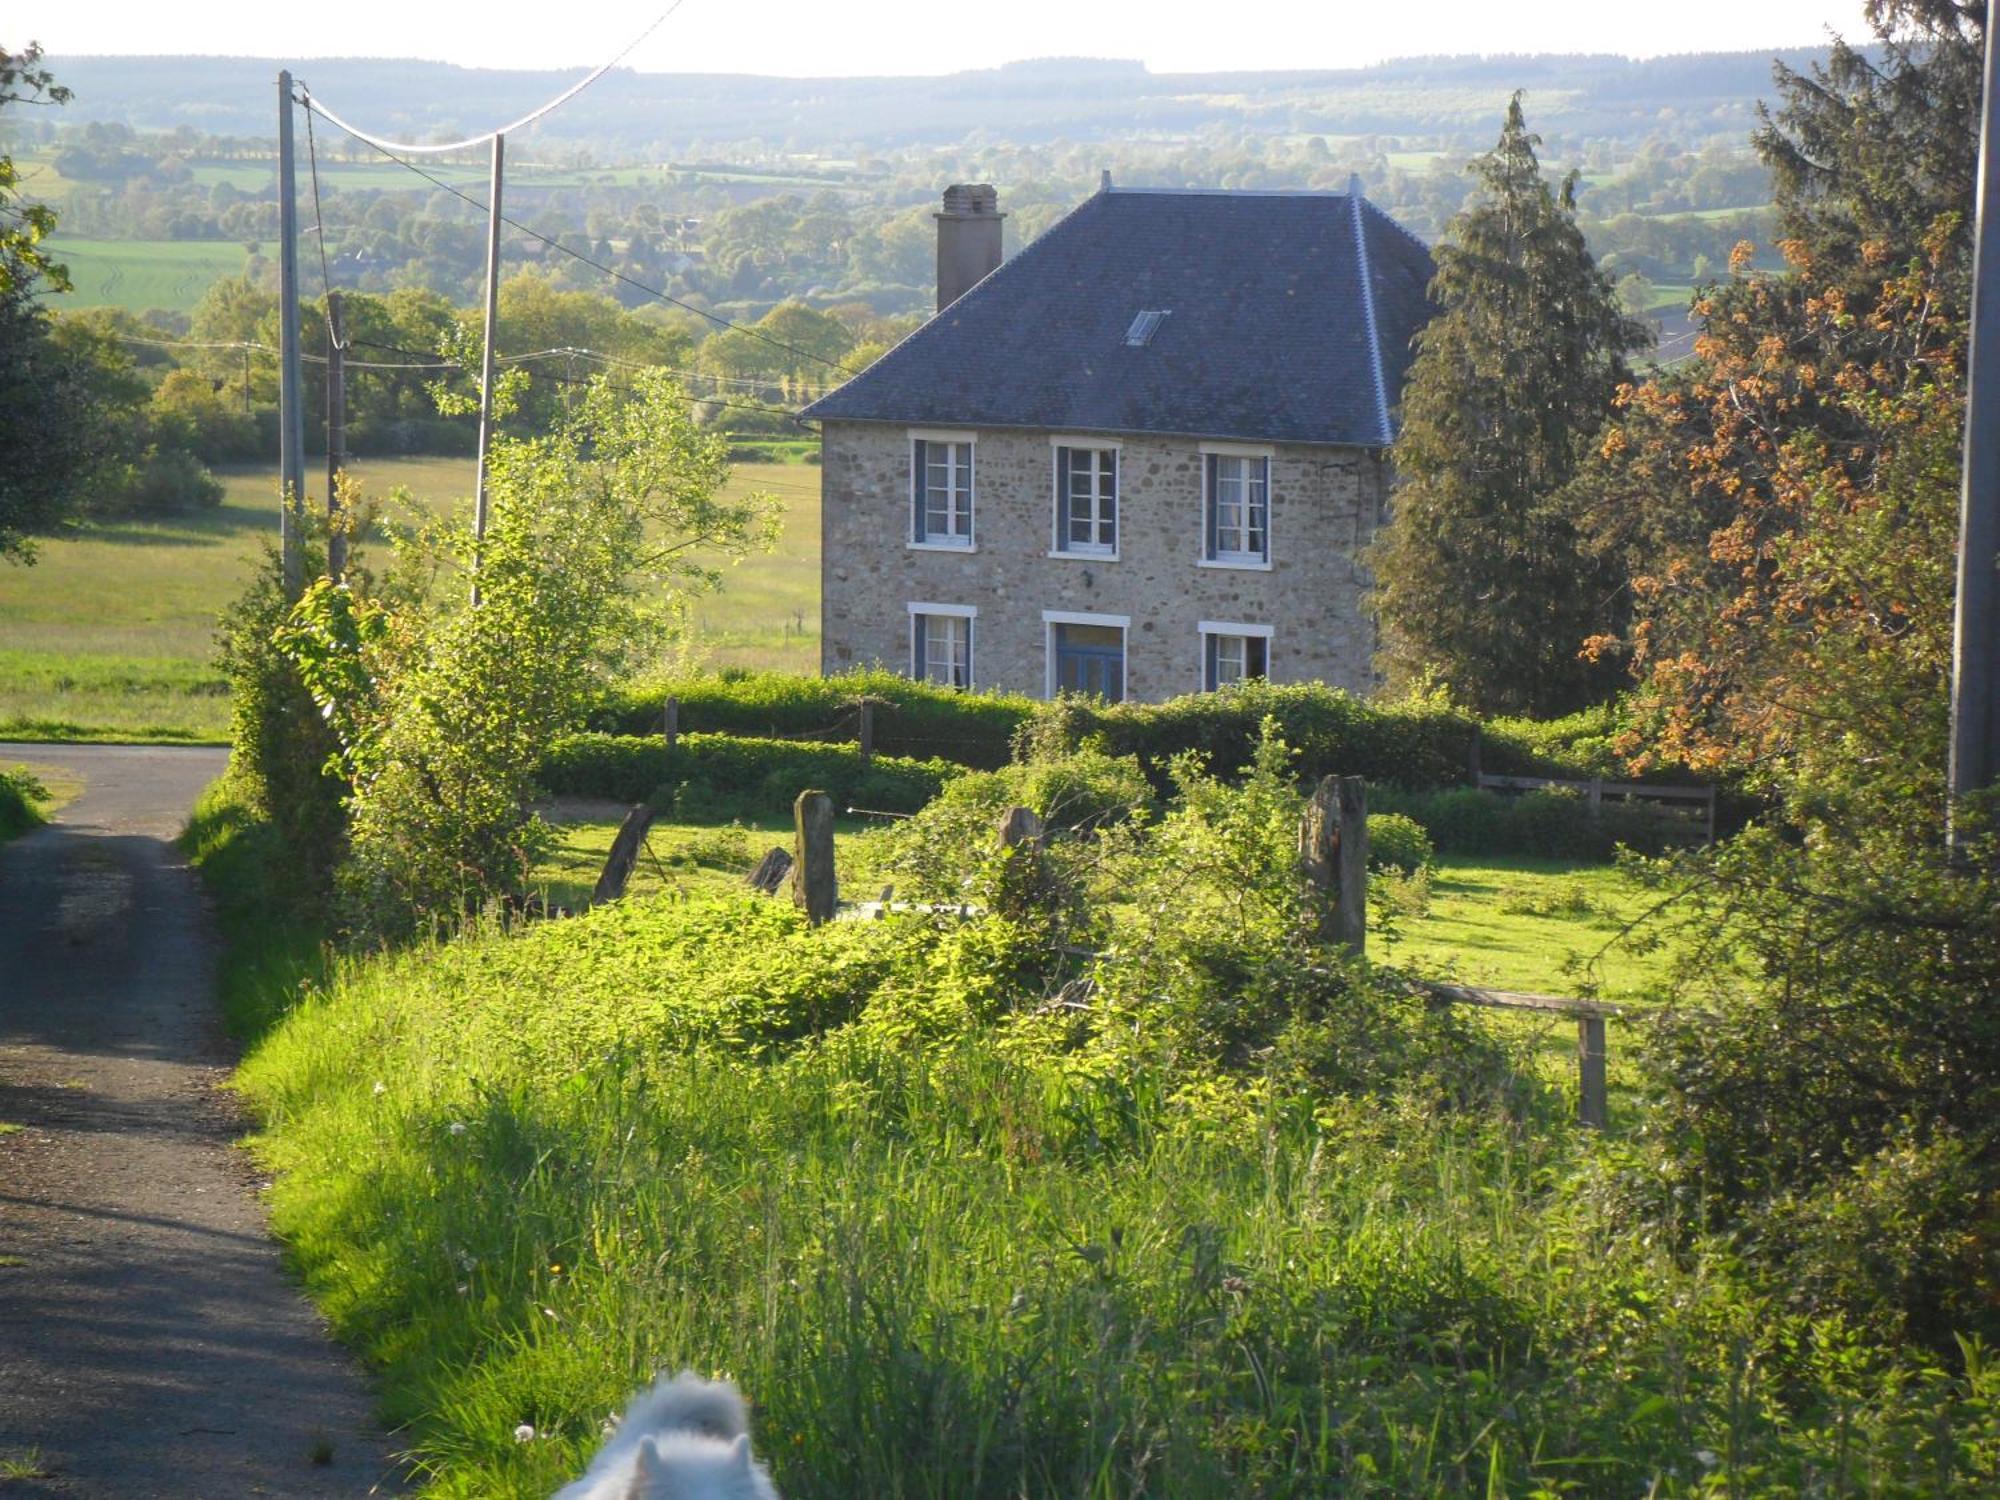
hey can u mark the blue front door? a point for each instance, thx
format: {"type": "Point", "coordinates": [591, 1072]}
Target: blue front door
{"type": "Point", "coordinates": [1091, 659]}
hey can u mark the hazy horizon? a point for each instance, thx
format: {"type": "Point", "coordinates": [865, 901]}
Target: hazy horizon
{"type": "Point", "coordinates": [900, 38]}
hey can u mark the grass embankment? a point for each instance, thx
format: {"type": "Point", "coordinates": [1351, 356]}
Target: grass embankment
{"type": "Point", "coordinates": [23, 801]}
{"type": "Point", "coordinates": [955, 1242]}
{"type": "Point", "coordinates": [110, 635]}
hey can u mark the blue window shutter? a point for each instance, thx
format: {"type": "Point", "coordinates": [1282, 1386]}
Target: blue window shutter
{"type": "Point", "coordinates": [919, 477]}
{"type": "Point", "coordinates": [1208, 682]}
{"type": "Point", "coordinates": [1208, 508]}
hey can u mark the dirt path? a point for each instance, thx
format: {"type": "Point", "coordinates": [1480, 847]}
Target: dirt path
{"type": "Point", "coordinates": [150, 1343]}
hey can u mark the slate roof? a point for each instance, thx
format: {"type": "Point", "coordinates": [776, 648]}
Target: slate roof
{"type": "Point", "coordinates": [1291, 316]}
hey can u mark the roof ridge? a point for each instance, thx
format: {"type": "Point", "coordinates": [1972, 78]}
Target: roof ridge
{"type": "Point", "coordinates": [1367, 280]}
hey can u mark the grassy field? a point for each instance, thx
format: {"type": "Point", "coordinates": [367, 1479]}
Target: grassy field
{"type": "Point", "coordinates": [110, 634]}
{"type": "Point", "coordinates": [955, 1243]}
{"type": "Point", "coordinates": [142, 274]}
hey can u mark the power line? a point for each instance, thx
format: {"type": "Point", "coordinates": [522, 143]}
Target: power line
{"type": "Point", "coordinates": [319, 219]}
{"type": "Point", "coordinates": [554, 244]}
{"type": "Point", "coordinates": [479, 140]}
{"type": "Point", "coordinates": [451, 365]}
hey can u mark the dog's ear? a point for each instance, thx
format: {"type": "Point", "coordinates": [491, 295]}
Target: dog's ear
{"type": "Point", "coordinates": [645, 1472]}
{"type": "Point", "coordinates": [739, 1453]}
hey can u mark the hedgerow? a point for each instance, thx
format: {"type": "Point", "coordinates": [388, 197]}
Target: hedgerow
{"type": "Point", "coordinates": [722, 776]}
{"type": "Point", "coordinates": [914, 719]}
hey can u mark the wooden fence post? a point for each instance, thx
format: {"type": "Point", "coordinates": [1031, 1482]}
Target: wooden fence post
{"type": "Point", "coordinates": [1711, 817]}
{"type": "Point", "coordinates": [1333, 848]}
{"type": "Point", "coordinates": [673, 723]}
{"type": "Point", "coordinates": [1472, 759]}
{"type": "Point", "coordinates": [1596, 796]}
{"type": "Point", "coordinates": [813, 886]}
{"type": "Point", "coordinates": [1591, 1105]}
{"type": "Point", "coordinates": [866, 732]}
{"type": "Point", "coordinates": [624, 854]}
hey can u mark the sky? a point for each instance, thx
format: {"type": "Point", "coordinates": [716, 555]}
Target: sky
{"type": "Point", "coordinates": [795, 38]}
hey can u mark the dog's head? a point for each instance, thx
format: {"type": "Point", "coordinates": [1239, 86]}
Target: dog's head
{"type": "Point", "coordinates": [677, 1467]}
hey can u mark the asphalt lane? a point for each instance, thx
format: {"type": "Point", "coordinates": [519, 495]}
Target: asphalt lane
{"type": "Point", "coordinates": [150, 1341]}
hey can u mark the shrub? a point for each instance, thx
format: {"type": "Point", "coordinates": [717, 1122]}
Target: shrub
{"type": "Point", "coordinates": [1331, 732]}
{"type": "Point", "coordinates": [916, 719]}
{"type": "Point", "coordinates": [717, 776]}
{"type": "Point", "coordinates": [20, 793]}
{"type": "Point", "coordinates": [1398, 842]}
{"type": "Point", "coordinates": [165, 481]}
{"type": "Point", "coordinates": [1551, 824]}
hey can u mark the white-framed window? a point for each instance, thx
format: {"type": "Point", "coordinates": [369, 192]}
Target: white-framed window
{"type": "Point", "coordinates": [1236, 508]}
{"type": "Point", "coordinates": [941, 489]}
{"type": "Point", "coordinates": [1233, 652]}
{"type": "Point", "coordinates": [1087, 500]}
{"type": "Point", "coordinates": [941, 643]}
{"type": "Point", "coordinates": [1086, 653]}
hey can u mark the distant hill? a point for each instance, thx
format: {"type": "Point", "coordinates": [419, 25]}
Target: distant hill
{"type": "Point", "coordinates": [1698, 96]}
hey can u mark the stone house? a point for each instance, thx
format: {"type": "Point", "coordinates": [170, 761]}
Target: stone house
{"type": "Point", "coordinates": [1138, 459]}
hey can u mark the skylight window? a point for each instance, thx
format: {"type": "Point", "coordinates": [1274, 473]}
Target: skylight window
{"type": "Point", "coordinates": [1145, 326]}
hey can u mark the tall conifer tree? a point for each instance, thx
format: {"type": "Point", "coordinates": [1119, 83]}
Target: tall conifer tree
{"type": "Point", "coordinates": [1482, 583]}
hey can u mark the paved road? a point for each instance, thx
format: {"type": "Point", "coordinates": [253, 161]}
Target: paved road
{"type": "Point", "coordinates": [150, 1343]}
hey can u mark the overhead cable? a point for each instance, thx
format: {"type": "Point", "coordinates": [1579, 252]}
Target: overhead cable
{"type": "Point", "coordinates": [381, 144]}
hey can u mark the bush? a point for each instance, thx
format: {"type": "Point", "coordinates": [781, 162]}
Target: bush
{"type": "Point", "coordinates": [918, 719]}
{"type": "Point", "coordinates": [1551, 824]}
{"type": "Point", "coordinates": [716, 776]}
{"type": "Point", "coordinates": [1398, 842]}
{"type": "Point", "coordinates": [166, 481]}
{"type": "Point", "coordinates": [1412, 744]}
{"type": "Point", "coordinates": [20, 793]}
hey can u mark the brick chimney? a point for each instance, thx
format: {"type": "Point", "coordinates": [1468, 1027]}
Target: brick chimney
{"type": "Point", "coordinates": [968, 246]}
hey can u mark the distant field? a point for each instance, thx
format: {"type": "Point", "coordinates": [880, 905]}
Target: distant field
{"type": "Point", "coordinates": [110, 635]}
{"type": "Point", "coordinates": [140, 274]}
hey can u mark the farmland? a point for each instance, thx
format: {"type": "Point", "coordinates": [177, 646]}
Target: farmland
{"type": "Point", "coordinates": [109, 634]}
{"type": "Point", "coordinates": [141, 275]}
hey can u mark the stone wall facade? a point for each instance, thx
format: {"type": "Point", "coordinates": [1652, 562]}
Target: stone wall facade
{"type": "Point", "coordinates": [1325, 503]}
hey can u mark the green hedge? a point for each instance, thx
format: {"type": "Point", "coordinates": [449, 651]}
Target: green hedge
{"type": "Point", "coordinates": [918, 719]}
{"type": "Point", "coordinates": [715, 775]}
{"type": "Point", "coordinates": [1334, 733]}
{"type": "Point", "coordinates": [1544, 825]}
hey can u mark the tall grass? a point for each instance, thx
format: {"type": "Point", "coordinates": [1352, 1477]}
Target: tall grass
{"type": "Point", "coordinates": [522, 1171]}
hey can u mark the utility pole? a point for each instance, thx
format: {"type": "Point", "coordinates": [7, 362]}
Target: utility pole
{"type": "Point", "coordinates": [486, 359]}
{"type": "Point", "coordinates": [291, 418]}
{"type": "Point", "coordinates": [1975, 716]}
{"type": "Point", "coordinates": [336, 437]}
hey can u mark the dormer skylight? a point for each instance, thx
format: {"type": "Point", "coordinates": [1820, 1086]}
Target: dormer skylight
{"type": "Point", "coordinates": [1145, 326]}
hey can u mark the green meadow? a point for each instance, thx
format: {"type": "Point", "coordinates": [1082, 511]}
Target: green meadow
{"type": "Point", "coordinates": [142, 274]}
{"type": "Point", "coordinates": [109, 635]}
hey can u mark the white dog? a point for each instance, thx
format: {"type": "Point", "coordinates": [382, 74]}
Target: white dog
{"type": "Point", "coordinates": [685, 1439]}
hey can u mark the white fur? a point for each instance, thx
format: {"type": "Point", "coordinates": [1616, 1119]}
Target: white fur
{"type": "Point", "coordinates": [685, 1439]}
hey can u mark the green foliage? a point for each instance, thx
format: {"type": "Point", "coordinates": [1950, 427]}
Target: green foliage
{"type": "Point", "coordinates": [1416, 742]}
{"type": "Point", "coordinates": [718, 776]}
{"type": "Point", "coordinates": [1549, 824]}
{"type": "Point", "coordinates": [1482, 580]}
{"type": "Point", "coordinates": [21, 796]}
{"type": "Point", "coordinates": [284, 756]}
{"type": "Point", "coordinates": [444, 710]}
{"type": "Point", "coordinates": [1398, 842]}
{"type": "Point", "coordinates": [918, 719]}
{"type": "Point", "coordinates": [1828, 1080]}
